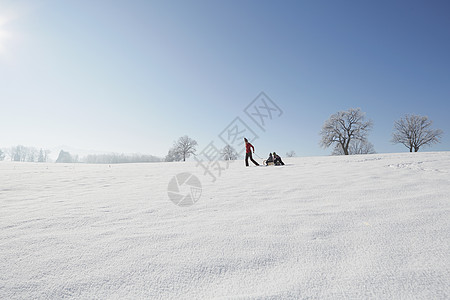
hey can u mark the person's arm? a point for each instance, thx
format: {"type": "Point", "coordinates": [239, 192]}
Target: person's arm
{"type": "Point", "coordinates": [253, 148]}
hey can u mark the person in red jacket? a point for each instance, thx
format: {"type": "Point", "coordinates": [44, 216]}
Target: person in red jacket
{"type": "Point", "coordinates": [248, 152]}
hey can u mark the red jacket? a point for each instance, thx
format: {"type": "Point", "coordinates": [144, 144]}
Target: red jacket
{"type": "Point", "coordinates": [247, 148]}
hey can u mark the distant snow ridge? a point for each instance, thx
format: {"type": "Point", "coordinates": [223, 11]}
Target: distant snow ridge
{"type": "Point", "coordinates": [336, 227]}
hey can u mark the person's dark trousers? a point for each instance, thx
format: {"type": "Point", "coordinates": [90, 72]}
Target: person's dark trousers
{"type": "Point", "coordinates": [247, 155]}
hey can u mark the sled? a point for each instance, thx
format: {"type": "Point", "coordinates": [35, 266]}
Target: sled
{"type": "Point", "coordinates": [270, 163]}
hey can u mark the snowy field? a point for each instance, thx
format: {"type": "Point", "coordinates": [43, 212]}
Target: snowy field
{"type": "Point", "coordinates": [359, 227]}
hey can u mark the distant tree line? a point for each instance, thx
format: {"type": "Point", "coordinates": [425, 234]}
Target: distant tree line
{"type": "Point", "coordinates": [115, 158]}
{"type": "Point", "coordinates": [31, 154]}
{"type": "Point", "coordinates": [108, 158]}
{"type": "Point", "coordinates": [25, 154]}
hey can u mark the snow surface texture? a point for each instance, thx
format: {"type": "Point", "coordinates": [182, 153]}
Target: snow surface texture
{"type": "Point", "coordinates": [359, 227]}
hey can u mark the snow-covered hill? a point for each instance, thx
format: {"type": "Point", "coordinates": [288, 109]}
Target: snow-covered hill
{"type": "Point", "coordinates": [359, 227]}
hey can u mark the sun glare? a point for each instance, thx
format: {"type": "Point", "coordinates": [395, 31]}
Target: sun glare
{"type": "Point", "coordinates": [5, 34]}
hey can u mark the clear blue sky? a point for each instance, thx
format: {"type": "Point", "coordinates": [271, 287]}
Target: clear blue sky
{"type": "Point", "coordinates": [133, 76]}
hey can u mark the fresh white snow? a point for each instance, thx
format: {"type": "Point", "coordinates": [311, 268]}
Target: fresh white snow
{"type": "Point", "coordinates": [358, 227]}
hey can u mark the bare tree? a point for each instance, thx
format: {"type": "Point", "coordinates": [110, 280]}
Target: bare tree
{"type": "Point", "coordinates": [2, 155]}
{"type": "Point", "coordinates": [173, 155]}
{"type": "Point", "coordinates": [46, 154]}
{"type": "Point", "coordinates": [41, 157]}
{"type": "Point", "coordinates": [290, 153]}
{"type": "Point", "coordinates": [15, 153]}
{"type": "Point", "coordinates": [414, 131]}
{"type": "Point", "coordinates": [31, 154]}
{"type": "Point", "coordinates": [7, 152]}
{"type": "Point", "coordinates": [19, 153]}
{"type": "Point", "coordinates": [228, 153]}
{"type": "Point", "coordinates": [343, 127]}
{"type": "Point", "coordinates": [355, 147]}
{"type": "Point", "coordinates": [186, 146]}
{"type": "Point", "coordinates": [182, 149]}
